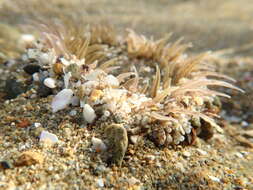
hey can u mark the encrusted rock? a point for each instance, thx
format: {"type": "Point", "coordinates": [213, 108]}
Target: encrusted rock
{"type": "Point", "coordinates": [117, 141]}
{"type": "Point", "coordinates": [29, 158]}
{"type": "Point", "coordinates": [13, 88]}
{"type": "Point", "coordinates": [207, 130]}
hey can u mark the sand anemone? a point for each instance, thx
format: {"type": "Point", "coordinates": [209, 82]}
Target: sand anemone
{"type": "Point", "coordinates": [152, 87]}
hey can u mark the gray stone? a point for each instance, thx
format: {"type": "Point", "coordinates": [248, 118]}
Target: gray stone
{"type": "Point", "coordinates": [117, 141]}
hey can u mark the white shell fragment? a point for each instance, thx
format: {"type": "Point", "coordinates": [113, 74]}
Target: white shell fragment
{"type": "Point", "coordinates": [88, 113]}
{"type": "Point", "coordinates": [49, 82]}
{"type": "Point", "coordinates": [111, 80]}
{"type": "Point", "coordinates": [98, 145]}
{"type": "Point", "coordinates": [62, 100]}
{"type": "Point", "coordinates": [46, 136]}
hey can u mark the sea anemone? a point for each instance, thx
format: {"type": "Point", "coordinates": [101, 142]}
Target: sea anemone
{"type": "Point", "coordinates": [152, 87]}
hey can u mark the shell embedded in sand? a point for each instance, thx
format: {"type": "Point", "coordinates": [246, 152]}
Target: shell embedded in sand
{"type": "Point", "coordinates": [88, 113]}
{"type": "Point", "coordinates": [62, 100]}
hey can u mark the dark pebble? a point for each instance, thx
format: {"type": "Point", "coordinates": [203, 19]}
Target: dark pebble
{"type": "Point", "coordinates": [32, 68]}
{"type": "Point", "coordinates": [5, 165]}
{"type": "Point", "coordinates": [207, 130]}
{"type": "Point", "coordinates": [44, 91]}
{"type": "Point", "coordinates": [13, 88]}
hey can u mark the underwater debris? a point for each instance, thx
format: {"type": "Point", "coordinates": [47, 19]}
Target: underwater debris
{"type": "Point", "coordinates": [167, 99]}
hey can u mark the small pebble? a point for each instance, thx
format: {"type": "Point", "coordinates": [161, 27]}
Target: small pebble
{"type": "Point", "coordinates": [31, 69]}
{"type": "Point", "coordinates": [186, 154]}
{"type": "Point", "coordinates": [44, 91]}
{"type": "Point", "coordinates": [116, 136]}
{"type": "Point", "coordinates": [37, 125]}
{"type": "Point", "coordinates": [239, 155]}
{"type": "Point", "coordinates": [46, 136]}
{"type": "Point", "coordinates": [36, 77]}
{"type": "Point", "coordinates": [72, 112]}
{"type": "Point", "coordinates": [13, 88]}
{"type": "Point", "coordinates": [5, 165]}
{"type": "Point", "coordinates": [213, 178]}
{"type": "Point", "coordinates": [98, 145]}
{"type": "Point", "coordinates": [100, 183]}
{"type": "Point", "coordinates": [49, 82]}
{"type": "Point", "coordinates": [201, 152]}
{"type": "Point", "coordinates": [88, 113]}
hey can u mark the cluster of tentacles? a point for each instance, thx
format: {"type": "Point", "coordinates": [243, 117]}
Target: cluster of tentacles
{"type": "Point", "coordinates": [152, 87]}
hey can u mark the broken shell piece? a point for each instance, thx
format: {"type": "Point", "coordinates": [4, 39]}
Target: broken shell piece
{"type": "Point", "coordinates": [98, 145]}
{"type": "Point", "coordinates": [46, 136]}
{"type": "Point", "coordinates": [111, 80]}
{"type": "Point", "coordinates": [62, 100]}
{"type": "Point", "coordinates": [49, 82]}
{"type": "Point", "coordinates": [88, 113]}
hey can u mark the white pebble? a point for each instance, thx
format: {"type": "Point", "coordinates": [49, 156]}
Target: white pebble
{"type": "Point", "coordinates": [44, 58]}
{"type": "Point", "coordinates": [202, 152]}
{"type": "Point", "coordinates": [73, 112]}
{"type": "Point", "coordinates": [100, 182]}
{"type": "Point", "coordinates": [49, 82]}
{"type": "Point", "coordinates": [98, 145]}
{"type": "Point", "coordinates": [37, 125]}
{"type": "Point", "coordinates": [62, 100]}
{"type": "Point", "coordinates": [36, 77]}
{"type": "Point", "coordinates": [216, 179]}
{"type": "Point", "coordinates": [239, 155]}
{"type": "Point", "coordinates": [186, 154]}
{"type": "Point", "coordinates": [88, 113]}
{"type": "Point", "coordinates": [45, 135]}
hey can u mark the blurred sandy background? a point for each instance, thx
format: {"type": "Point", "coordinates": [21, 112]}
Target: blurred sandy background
{"type": "Point", "coordinates": [210, 25]}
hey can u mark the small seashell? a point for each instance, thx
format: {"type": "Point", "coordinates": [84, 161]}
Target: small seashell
{"type": "Point", "coordinates": [62, 100]}
{"type": "Point", "coordinates": [88, 113]}
{"type": "Point", "coordinates": [98, 145]}
{"type": "Point", "coordinates": [46, 136]}
{"type": "Point", "coordinates": [49, 82]}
